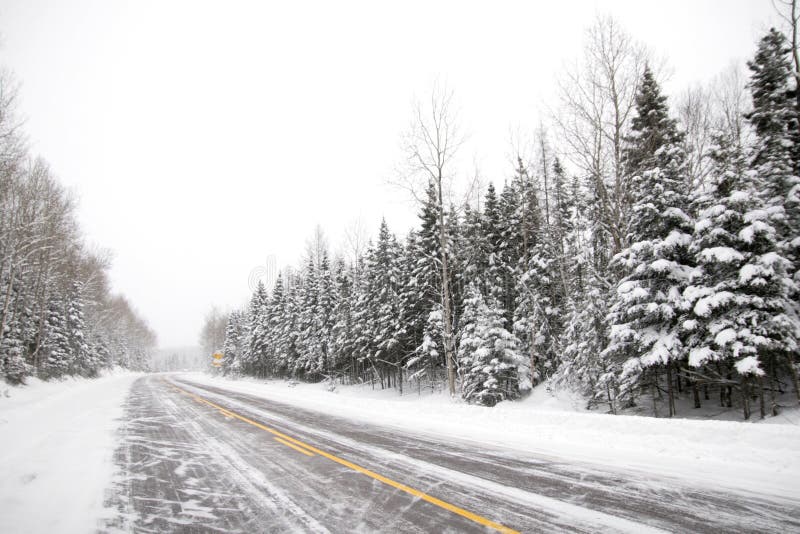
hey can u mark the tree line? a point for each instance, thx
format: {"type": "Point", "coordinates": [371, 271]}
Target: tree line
{"type": "Point", "coordinates": [58, 315]}
{"type": "Point", "coordinates": [644, 252]}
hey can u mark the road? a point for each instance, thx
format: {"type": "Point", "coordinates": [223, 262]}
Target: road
{"type": "Point", "coordinates": [198, 458]}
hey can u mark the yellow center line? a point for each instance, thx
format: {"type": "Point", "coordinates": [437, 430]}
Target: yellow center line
{"type": "Point", "coordinates": [288, 440]}
{"type": "Point", "coordinates": [293, 446]}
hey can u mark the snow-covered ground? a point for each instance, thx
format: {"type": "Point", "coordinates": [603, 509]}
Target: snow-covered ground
{"type": "Point", "coordinates": [57, 441]}
{"type": "Point", "coordinates": [734, 455]}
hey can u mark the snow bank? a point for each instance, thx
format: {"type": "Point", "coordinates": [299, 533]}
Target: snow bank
{"type": "Point", "coordinates": [57, 441]}
{"type": "Point", "coordinates": [735, 455]}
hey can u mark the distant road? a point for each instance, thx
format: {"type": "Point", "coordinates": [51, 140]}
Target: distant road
{"type": "Point", "coordinates": [197, 458]}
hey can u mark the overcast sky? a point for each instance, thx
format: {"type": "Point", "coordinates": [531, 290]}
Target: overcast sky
{"type": "Point", "coordinates": [202, 137]}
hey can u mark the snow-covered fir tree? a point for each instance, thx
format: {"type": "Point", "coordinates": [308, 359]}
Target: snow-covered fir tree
{"type": "Point", "coordinates": [776, 155]}
{"type": "Point", "coordinates": [235, 343]}
{"type": "Point", "coordinates": [255, 358]}
{"type": "Point", "coordinates": [489, 357]}
{"type": "Point", "coordinates": [644, 329]}
{"type": "Point", "coordinates": [740, 293]}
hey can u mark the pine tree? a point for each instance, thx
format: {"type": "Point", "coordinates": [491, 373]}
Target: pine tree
{"type": "Point", "coordinates": [644, 326]}
{"type": "Point", "coordinates": [741, 290]}
{"type": "Point", "coordinates": [257, 354]}
{"type": "Point", "coordinates": [326, 300]}
{"type": "Point", "coordinates": [489, 354]}
{"type": "Point", "coordinates": [775, 117]}
{"type": "Point", "coordinates": [276, 334]}
{"type": "Point", "coordinates": [233, 348]}
{"type": "Point", "coordinates": [584, 366]}
{"type": "Point", "coordinates": [83, 361]}
{"type": "Point", "coordinates": [342, 331]}
{"type": "Point", "coordinates": [425, 287]}
{"type": "Point", "coordinates": [309, 343]}
{"type": "Point", "coordinates": [492, 276]}
{"type": "Point", "coordinates": [412, 314]}
{"type": "Point", "coordinates": [56, 347]}
{"type": "Point", "coordinates": [291, 325]}
{"type": "Point", "coordinates": [13, 367]}
{"type": "Point", "coordinates": [777, 152]}
{"type": "Point", "coordinates": [429, 355]}
{"type": "Point", "coordinates": [538, 314]}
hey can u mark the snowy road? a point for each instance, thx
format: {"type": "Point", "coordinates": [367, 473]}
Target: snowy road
{"type": "Point", "coordinates": [200, 458]}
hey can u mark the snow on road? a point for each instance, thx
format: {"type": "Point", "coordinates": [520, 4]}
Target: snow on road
{"type": "Point", "coordinates": [520, 488]}
{"type": "Point", "coordinates": [734, 455]}
{"type": "Point", "coordinates": [57, 441]}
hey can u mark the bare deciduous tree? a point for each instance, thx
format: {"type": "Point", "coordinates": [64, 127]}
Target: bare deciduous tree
{"type": "Point", "coordinates": [431, 146]}
{"type": "Point", "coordinates": [597, 103]}
{"type": "Point", "coordinates": [789, 12]}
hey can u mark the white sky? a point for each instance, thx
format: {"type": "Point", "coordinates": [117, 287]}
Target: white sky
{"type": "Point", "coordinates": [202, 137]}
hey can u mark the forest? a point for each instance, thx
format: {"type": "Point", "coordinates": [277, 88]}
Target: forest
{"type": "Point", "coordinates": [647, 251]}
{"type": "Point", "coordinates": [58, 314]}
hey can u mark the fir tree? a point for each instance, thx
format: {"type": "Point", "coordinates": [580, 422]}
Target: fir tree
{"type": "Point", "coordinates": [309, 343]}
{"type": "Point", "coordinates": [741, 290]}
{"type": "Point", "coordinates": [235, 339]}
{"type": "Point", "coordinates": [776, 158]}
{"type": "Point", "coordinates": [326, 299]}
{"type": "Point", "coordinates": [83, 361]}
{"type": "Point", "coordinates": [342, 332]}
{"type": "Point", "coordinates": [276, 328]}
{"type": "Point", "coordinates": [644, 326]}
{"type": "Point", "coordinates": [56, 347]}
{"type": "Point", "coordinates": [258, 343]}
{"type": "Point", "coordinates": [489, 355]}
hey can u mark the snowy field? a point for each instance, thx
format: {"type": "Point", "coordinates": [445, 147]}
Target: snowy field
{"type": "Point", "coordinates": [719, 454]}
{"type": "Point", "coordinates": [57, 441]}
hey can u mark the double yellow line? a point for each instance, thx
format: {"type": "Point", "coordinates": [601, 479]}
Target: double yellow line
{"type": "Point", "coordinates": [310, 450]}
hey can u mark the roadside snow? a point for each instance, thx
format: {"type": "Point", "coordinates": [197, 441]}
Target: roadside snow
{"type": "Point", "coordinates": [739, 456]}
{"type": "Point", "coordinates": [57, 441]}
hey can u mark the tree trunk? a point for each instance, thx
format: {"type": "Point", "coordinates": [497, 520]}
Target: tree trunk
{"type": "Point", "coordinates": [448, 333]}
{"type": "Point", "coordinates": [653, 390]}
{"type": "Point", "coordinates": [729, 391]}
{"type": "Point", "coordinates": [670, 390]}
{"type": "Point", "coordinates": [793, 371]}
{"type": "Point", "coordinates": [745, 399]}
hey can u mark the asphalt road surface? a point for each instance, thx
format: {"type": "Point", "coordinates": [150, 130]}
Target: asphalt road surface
{"type": "Point", "coordinates": [196, 458]}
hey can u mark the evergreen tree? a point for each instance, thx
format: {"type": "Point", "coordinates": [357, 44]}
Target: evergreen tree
{"type": "Point", "coordinates": [13, 367]}
{"type": "Point", "coordinates": [233, 348]}
{"type": "Point", "coordinates": [83, 361]}
{"type": "Point", "coordinates": [776, 156]}
{"type": "Point", "coordinates": [256, 357]}
{"type": "Point", "coordinates": [645, 331]}
{"type": "Point", "coordinates": [56, 347]}
{"type": "Point", "coordinates": [775, 118]}
{"type": "Point", "coordinates": [741, 290]}
{"type": "Point", "coordinates": [276, 330]}
{"type": "Point", "coordinates": [323, 314]}
{"type": "Point", "coordinates": [309, 343]}
{"type": "Point", "coordinates": [489, 355]}
{"type": "Point", "coordinates": [492, 278]}
{"type": "Point", "coordinates": [429, 355]}
{"type": "Point", "coordinates": [342, 331]}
